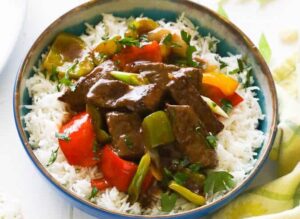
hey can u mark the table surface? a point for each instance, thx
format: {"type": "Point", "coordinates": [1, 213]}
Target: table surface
{"type": "Point", "coordinates": [21, 180]}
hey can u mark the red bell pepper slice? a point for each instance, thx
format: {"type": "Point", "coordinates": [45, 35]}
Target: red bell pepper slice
{"type": "Point", "coordinates": [100, 184]}
{"type": "Point", "coordinates": [215, 94]}
{"type": "Point", "coordinates": [149, 52]}
{"type": "Point", "coordinates": [119, 172]}
{"type": "Point", "coordinates": [76, 140]}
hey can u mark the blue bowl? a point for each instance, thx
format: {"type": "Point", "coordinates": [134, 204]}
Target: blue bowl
{"type": "Point", "coordinates": [231, 40]}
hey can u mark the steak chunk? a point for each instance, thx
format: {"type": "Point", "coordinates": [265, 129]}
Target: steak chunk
{"type": "Point", "coordinates": [113, 94]}
{"type": "Point", "coordinates": [77, 98]}
{"type": "Point", "coordinates": [191, 136]}
{"type": "Point", "coordinates": [127, 138]}
{"type": "Point", "coordinates": [185, 93]}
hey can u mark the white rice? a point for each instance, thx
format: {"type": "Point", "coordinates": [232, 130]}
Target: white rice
{"type": "Point", "coordinates": [236, 143]}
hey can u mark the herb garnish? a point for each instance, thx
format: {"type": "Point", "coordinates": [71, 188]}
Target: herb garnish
{"type": "Point", "coordinates": [62, 136]}
{"type": "Point", "coordinates": [226, 105]}
{"type": "Point", "coordinates": [168, 201]}
{"type": "Point", "coordinates": [129, 41]}
{"type": "Point", "coordinates": [195, 167]}
{"type": "Point", "coordinates": [218, 181]}
{"type": "Point", "coordinates": [53, 157]}
{"type": "Point", "coordinates": [190, 49]}
{"type": "Point", "coordinates": [128, 141]}
{"type": "Point", "coordinates": [168, 41]}
{"type": "Point", "coordinates": [93, 194]}
{"type": "Point", "coordinates": [180, 178]}
{"type": "Point", "coordinates": [212, 140]}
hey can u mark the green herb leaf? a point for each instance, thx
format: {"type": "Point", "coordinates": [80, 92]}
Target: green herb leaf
{"type": "Point", "coordinates": [265, 48]}
{"type": "Point", "coordinates": [54, 74]}
{"type": "Point", "coordinates": [218, 181]}
{"type": "Point", "coordinates": [223, 64]}
{"type": "Point", "coordinates": [212, 140]}
{"type": "Point", "coordinates": [93, 194]}
{"type": "Point", "coordinates": [168, 173]}
{"type": "Point", "coordinates": [195, 167]}
{"type": "Point", "coordinates": [226, 105]}
{"type": "Point", "coordinates": [167, 40]}
{"type": "Point", "coordinates": [184, 162]}
{"type": "Point", "coordinates": [62, 136]}
{"type": "Point", "coordinates": [189, 56]}
{"type": "Point", "coordinates": [240, 64]}
{"type": "Point", "coordinates": [53, 157]}
{"type": "Point", "coordinates": [168, 201]}
{"type": "Point", "coordinates": [129, 41]}
{"type": "Point", "coordinates": [180, 178]}
{"type": "Point", "coordinates": [222, 12]}
{"type": "Point", "coordinates": [128, 141]}
{"type": "Point", "coordinates": [186, 37]}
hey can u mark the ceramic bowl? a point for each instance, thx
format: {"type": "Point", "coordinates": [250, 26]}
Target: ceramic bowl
{"type": "Point", "coordinates": [231, 40]}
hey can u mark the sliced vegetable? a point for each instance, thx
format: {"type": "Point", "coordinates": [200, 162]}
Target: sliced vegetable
{"type": "Point", "coordinates": [265, 48]}
{"type": "Point", "coordinates": [102, 136]}
{"type": "Point", "coordinates": [225, 83]}
{"type": "Point", "coordinates": [116, 171]}
{"type": "Point", "coordinates": [218, 181]}
{"type": "Point", "coordinates": [100, 184]}
{"type": "Point", "coordinates": [141, 26]}
{"type": "Point", "coordinates": [214, 107]}
{"type": "Point", "coordinates": [78, 150]}
{"type": "Point", "coordinates": [128, 78]}
{"type": "Point", "coordinates": [53, 157]}
{"type": "Point", "coordinates": [108, 47]}
{"type": "Point", "coordinates": [138, 179]}
{"type": "Point", "coordinates": [148, 52]}
{"type": "Point", "coordinates": [188, 194]}
{"type": "Point", "coordinates": [168, 201]}
{"type": "Point", "coordinates": [157, 129]}
{"type": "Point", "coordinates": [67, 50]}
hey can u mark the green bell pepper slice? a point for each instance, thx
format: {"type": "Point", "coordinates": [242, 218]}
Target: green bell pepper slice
{"type": "Point", "coordinates": [137, 181]}
{"type": "Point", "coordinates": [128, 78]}
{"type": "Point", "coordinates": [157, 129]}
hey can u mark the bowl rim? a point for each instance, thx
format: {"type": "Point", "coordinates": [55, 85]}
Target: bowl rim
{"type": "Point", "coordinates": [218, 203]}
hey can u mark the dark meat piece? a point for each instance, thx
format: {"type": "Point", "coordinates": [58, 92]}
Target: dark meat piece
{"type": "Point", "coordinates": [113, 94]}
{"type": "Point", "coordinates": [127, 138]}
{"type": "Point", "coordinates": [77, 98]}
{"type": "Point", "coordinates": [191, 136]}
{"type": "Point", "coordinates": [185, 93]}
{"type": "Point", "coordinates": [105, 93]}
{"type": "Point", "coordinates": [193, 75]}
{"type": "Point", "coordinates": [161, 73]}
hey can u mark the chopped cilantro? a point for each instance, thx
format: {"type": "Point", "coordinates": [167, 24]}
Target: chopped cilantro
{"type": "Point", "coordinates": [195, 167]}
{"type": "Point", "coordinates": [223, 64]}
{"type": "Point", "coordinates": [93, 194]}
{"type": "Point", "coordinates": [234, 71]}
{"type": "Point", "coordinates": [129, 41]}
{"type": "Point", "coordinates": [53, 157]}
{"type": "Point", "coordinates": [186, 37]}
{"type": "Point", "coordinates": [54, 74]}
{"type": "Point", "coordinates": [180, 178]}
{"type": "Point", "coordinates": [226, 105]}
{"type": "Point", "coordinates": [240, 64]}
{"type": "Point", "coordinates": [62, 136]}
{"type": "Point", "coordinates": [218, 181]}
{"type": "Point", "coordinates": [168, 173]}
{"type": "Point", "coordinates": [168, 201]}
{"type": "Point", "coordinates": [212, 140]}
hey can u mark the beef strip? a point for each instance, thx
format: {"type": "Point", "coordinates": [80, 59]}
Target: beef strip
{"type": "Point", "coordinates": [184, 92]}
{"type": "Point", "coordinates": [127, 138]}
{"type": "Point", "coordinates": [191, 136]}
{"type": "Point", "coordinates": [77, 98]}
{"type": "Point", "coordinates": [193, 75]}
{"type": "Point", "coordinates": [114, 94]}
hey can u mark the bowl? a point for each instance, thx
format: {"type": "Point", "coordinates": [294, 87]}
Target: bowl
{"type": "Point", "coordinates": [232, 40]}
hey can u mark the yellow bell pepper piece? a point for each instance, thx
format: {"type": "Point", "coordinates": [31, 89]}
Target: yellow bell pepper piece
{"type": "Point", "coordinates": [225, 83]}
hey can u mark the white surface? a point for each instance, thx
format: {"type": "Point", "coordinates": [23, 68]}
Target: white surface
{"type": "Point", "coordinates": [12, 16]}
{"type": "Point", "coordinates": [20, 179]}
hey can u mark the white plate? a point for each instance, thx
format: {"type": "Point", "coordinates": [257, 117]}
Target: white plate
{"type": "Point", "coordinates": [12, 13]}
